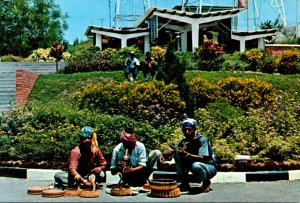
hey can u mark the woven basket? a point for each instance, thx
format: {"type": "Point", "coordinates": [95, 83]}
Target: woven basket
{"type": "Point", "coordinates": [121, 190]}
{"type": "Point", "coordinates": [52, 193]}
{"type": "Point", "coordinates": [89, 194]}
{"type": "Point", "coordinates": [165, 193]}
{"type": "Point", "coordinates": [162, 184]}
{"type": "Point", "coordinates": [36, 190]}
{"type": "Point", "coordinates": [72, 192]}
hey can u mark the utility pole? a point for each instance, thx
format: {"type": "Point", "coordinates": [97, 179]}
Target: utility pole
{"type": "Point", "coordinates": [109, 10]}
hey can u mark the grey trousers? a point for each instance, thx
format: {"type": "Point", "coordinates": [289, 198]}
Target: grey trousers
{"type": "Point", "coordinates": [63, 179]}
{"type": "Point", "coordinates": [201, 170]}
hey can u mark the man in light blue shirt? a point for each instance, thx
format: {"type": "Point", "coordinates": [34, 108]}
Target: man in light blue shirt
{"type": "Point", "coordinates": [129, 159]}
{"type": "Point", "coordinates": [131, 66]}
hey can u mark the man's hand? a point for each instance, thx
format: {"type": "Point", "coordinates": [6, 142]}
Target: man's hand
{"type": "Point", "coordinates": [121, 164]}
{"type": "Point", "coordinates": [97, 170]}
{"type": "Point", "coordinates": [78, 178]}
{"type": "Point", "coordinates": [128, 170]}
{"type": "Point", "coordinates": [181, 151]}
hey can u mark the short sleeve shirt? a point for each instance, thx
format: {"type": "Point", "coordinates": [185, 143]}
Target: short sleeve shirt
{"type": "Point", "coordinates": [84, 161]}
{"type": "Point", "coordinates": [199, 146]}
{"type": "Point", "coordinates": [137, 157]}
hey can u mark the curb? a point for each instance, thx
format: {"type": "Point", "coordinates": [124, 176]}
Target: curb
{"type": "Point", "coordinates": [221, 177]}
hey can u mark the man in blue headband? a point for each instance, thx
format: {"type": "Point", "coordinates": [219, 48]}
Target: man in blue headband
{"type": "Point", "coordinates": [194, 153]}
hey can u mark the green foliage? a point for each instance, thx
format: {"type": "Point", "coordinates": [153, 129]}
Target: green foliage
{"type": "Point", "coordinates": [202, 92]}
{"type": "Point", "coordinates": [233, 62]}
{"type": "Point", "coordinates": [289, 62]}
{"type": "Point", "coordinates": [153, 102]}
{"type": "Point", "coordinates": [123, 54]}
{"type": "Point", "coordinates": [268, 64]}
{"type": "Point", "coordinates": [11, 58]}
{"type": "Point", "coordinates": [253, 57]}
{"type": "Point", "coordinates": [208, 56]}
{"type": "Point", "coordinates": [29, 25]}
{"type": "Point", "coordinates": [172, 70]}
{"type": "Point", "coordinates": [247, 93]}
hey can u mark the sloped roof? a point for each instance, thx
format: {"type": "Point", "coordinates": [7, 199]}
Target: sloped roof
{"type": "Point", "coordinates": [150, 12]}
{"type": "Point", "coordinates": [256, 32]}
{"type": "Point", "coordinates": [115, 30]}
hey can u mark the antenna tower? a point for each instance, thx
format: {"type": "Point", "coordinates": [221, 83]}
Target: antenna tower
{"type": "Point", "coordinates": [127, 12]}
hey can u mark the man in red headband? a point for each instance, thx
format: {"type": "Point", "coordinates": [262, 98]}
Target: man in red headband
{"type": "Point", "coordinates": [129, 158]}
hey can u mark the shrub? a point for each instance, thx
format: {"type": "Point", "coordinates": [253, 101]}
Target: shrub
{"type": "Point", "coordinates": [106, 54]}
{"type": "Point", "coordinates": [288, 62]}
{"type": "Point", "coordinates": [11, 58]}
{"type": "Point", "coordinates": [246, 93]}
{"type": "Point", "coordinates": [208, 56]}
{"type": "Point", "coordinates": [202, 92]}
{"type": "Point", "coordinates": [158, 53]}
{"type": "Point", "coordinates": [216, 122]}
{"type": "Point", "coordinates": [151, 102]}
{"type": "Point", "coordinates": [41, 55]}
{"type": "Point", "coordinates": [233, 62]}
{"type": "Point", "coordinates": [253, 57]}
{"type": "Point", "coordinates": [268, 65]}
{"type": "Point", "coordinates": [123, 54]}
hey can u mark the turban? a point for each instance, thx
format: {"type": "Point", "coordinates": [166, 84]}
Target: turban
{"type": "Point", "coordinates": [188, 122]}
{"type": "Point", "coordinates": [128, 137]}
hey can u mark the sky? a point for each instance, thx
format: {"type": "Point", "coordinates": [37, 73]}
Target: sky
{"type": "Point", "coordinates": [83, 13]}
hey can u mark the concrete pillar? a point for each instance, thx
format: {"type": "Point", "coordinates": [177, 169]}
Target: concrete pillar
{"type": "Point", "coordinates": [261, 44]}
{"type": "Point", "coordinates": [123, 42]}
{"type": "Point", "coordinates": [195, 36]}
{"type": "Point", "coordinates": [184, 41]}
{"type": "Point", "coordinates": [146, 43]}
{"type": "Point", "coordinates": [242, 45]}
{"type": "Point", "coordinates": [215, 36]}
{"type": "Point", "coordinates": [99, 41]}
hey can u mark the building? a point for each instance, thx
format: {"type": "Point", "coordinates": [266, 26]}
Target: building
{"type": "Point", "coordinates": [157, 25]}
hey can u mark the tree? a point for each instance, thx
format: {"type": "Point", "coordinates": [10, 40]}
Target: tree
{"type": "Point", "coordinates": [26, 25]}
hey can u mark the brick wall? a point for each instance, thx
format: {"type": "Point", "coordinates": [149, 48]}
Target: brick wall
{"type": "Point", "coordinates": [25, 81]}
{"type": "Point", "coordinates": [277, 49]}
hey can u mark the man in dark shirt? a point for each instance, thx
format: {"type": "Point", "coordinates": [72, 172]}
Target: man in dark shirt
{"type": "Point", "coordinates": [84, 160]}
{"type": "Point", "coordinates": [194, 153]}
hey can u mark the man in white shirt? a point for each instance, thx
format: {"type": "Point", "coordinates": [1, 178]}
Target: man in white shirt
{"type": "Point", "coordinates": [129, 159]}
{"type": "Point", "coordinates": [131, 66]}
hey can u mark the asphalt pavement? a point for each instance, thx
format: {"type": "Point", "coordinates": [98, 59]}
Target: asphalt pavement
{"type": "Point", "coordinates": [15, 190]}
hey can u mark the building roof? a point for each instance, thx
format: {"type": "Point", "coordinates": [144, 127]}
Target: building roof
{"type": "Point", "coordinates": [177, 15]}
{"type": "Point", "coordinates": [114, 30]}
{"type": "Point", "coordinates": [256, 32]}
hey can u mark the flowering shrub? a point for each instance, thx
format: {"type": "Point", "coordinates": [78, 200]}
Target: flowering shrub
{"type": "Point", "coordinates": [11, 58]}
{"type": "Point", "coordinates": [253, 57]}
{"type": "Point", "coordinates": [203, 92]}
{"type": "Point", "coordinates": [144, 101]}
{"type": "Point", "coordinates": [264, 133]}
{"type": "Point", "coordinates": [209, 55]}
{"type": "Point", "coordinates": [246, 93]}
{"type": "Point", "coordinates": [158, 53]}
{"type": "Point", "coordinates": [288, 62]}
{"type": "Point", "coordinates": [43, 55]}
{"type": "Point", "coordinates": [106, 54]}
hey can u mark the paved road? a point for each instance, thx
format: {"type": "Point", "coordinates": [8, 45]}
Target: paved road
{"type": "Point", "coordinates": [15, 190]}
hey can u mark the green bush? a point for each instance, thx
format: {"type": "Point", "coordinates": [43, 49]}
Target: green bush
{"type": "Point", "coordinates": [246, 93]}
{"type": "Point", "coordinates": [288, 63]}
{"type": "Point", "coordinates": [11, 58]}
{"type": "Point", "coordinates": [253, 57]}
{"type": "Point", "coordinates": [202, 92]}
{"type": "Point", "coordinates": [153, 102]}
{"type": "Point", "coordinates": [208, 56]}
{"type": "Point", "coordinates": [268, 64]}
